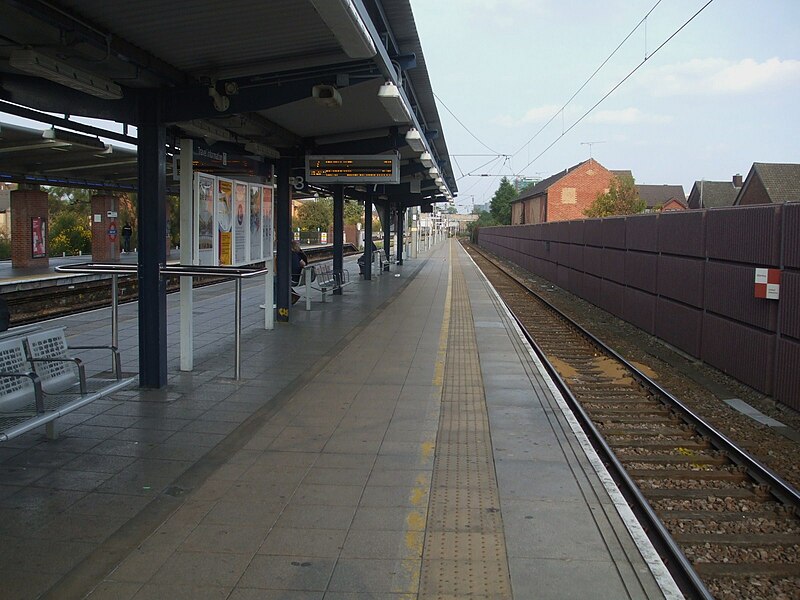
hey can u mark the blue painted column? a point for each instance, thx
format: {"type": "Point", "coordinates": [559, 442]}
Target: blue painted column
{"type": "Point", "coordinates": [368, 238]}
{"type": "Point", "coordinates": [338, 233]}
{"type": "Point", "coordinates": [151, 212]}
{"type": "Point", "coordinates": [283, 235]}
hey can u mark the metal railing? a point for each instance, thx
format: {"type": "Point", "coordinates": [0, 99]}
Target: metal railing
{"type": "Point", "coordinates": [117, 269]}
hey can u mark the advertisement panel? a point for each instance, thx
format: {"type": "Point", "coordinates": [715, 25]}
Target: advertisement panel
{"type": "Point", "coordinates": [224, 214]}
{"type": "Point", "coordinates": [204, 219]}
{"type": "Point", "coordinates": [38, 237]}
{"type": "Point", "coordinates": [241, 231]}
{"type": "Point", "coordinates": [255, 213]}
{"type": "Point", "coordinates": [266, 222]}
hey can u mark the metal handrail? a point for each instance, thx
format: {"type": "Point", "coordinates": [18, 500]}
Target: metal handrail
{"type": "Point", "coordinates": [176, 270]}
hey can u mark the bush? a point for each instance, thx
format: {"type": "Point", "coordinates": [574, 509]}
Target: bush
{"type": "Point", "coordinates": [5, 248]}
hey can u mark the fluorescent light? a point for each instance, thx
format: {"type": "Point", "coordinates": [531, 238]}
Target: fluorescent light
{"type": "Point", "coordinates": [64, 74]}
{"type": "Point", "coordinates": [426, 159]}
{"type": "Point", "coordinates": [347, 26]}
{"type": "Point", "coordinates": [414, 140]}
{"type": "Point", "coordinates": [261, 150]}
{"type": "Point", "coordinates": [394, 103]}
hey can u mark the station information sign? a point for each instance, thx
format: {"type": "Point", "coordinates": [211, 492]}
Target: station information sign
{"type": "Point", "coordinates": [359, 168]}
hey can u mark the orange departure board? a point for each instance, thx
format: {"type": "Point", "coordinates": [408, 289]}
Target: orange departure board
{"type": "Point", "coordinates": [360, 168]}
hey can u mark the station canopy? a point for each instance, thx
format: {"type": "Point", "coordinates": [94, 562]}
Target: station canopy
{"type": "Point", "coordinates": [254, 80]}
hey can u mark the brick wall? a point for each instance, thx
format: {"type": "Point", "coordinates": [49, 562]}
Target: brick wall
{"type": "Point", "coordinates": [25, 206]}
{"type": "Point", "coordinates": [568, 197]}
{"type": "Point", "coordinates": [103, 247]}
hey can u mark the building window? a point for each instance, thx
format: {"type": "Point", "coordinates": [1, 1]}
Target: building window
{"type": "Point", "coordinates": [568, 196]}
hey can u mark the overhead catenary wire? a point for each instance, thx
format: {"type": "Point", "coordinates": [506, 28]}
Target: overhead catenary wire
{"type": "Point", "coordinates": [447, 108]}
{"type": "Point", "coordinates": [560, 111]}
{"type": "Point", "coordinates": [613, 89]}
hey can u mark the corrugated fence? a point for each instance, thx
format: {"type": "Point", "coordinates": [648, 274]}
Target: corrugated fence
{"type": "Point", "coordinates": [687, 277]}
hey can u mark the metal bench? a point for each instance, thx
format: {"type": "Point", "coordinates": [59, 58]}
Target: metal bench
{"type": "Point", "coordinates": [321, 278]}
{"type": "Point", "coordinates": [40, 382]}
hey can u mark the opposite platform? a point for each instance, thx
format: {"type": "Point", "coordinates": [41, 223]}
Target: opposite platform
{"type": "Point", "coordinates": [399, 442]}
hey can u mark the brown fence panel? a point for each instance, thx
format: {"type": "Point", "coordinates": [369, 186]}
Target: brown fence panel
{"type": "Point", "coordinates": [576, 257]}
{"type": "Point", "coordinates": [593, 260]}
{"type": "Point", "coordinates": [614, 265]}
{"type": "Point", "coordinates": [562, 277]}
{"type": "Point", "coordinates": [640, 309]}
{"type": "Point", "coordinates": [787, 383]}
{"type": "Point", "coordinates": [641, 232]}
{"type": "Point", "coordinates": [592, 233]}
{"type": "Point", "coordinates": [745, 234]}
{"type": "Point", "coordinates": [790, 304]}
{"type": "Point", "coordinates": [729, 291]}
{"type": "Point", "coordinates": [575, 230]}
{"type": "Point", "coordinates": [681, 232]}
{"type": "Point", "coordinates": [591, 288]}
{"type": "Point", "coordinates": [613, 232]}
{"type": "Point", "coordinates": [641, 270]}
{"type": "Point", "coordinates": [612, 298]}
{"type": "Point", "coordinates": [791, 235]}
{"type": "Point", "coordinates": [681, 279]}
{"type": "Point", "coordinates": [561, 231]}
{"type": "Point", "coordinates": [679, 325]}
{"type": "Point", "coordinates": [744, 352]}
{"type": "Point", "coordinates": [576, 282]}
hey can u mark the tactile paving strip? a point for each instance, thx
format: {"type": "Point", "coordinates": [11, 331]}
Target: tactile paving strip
{"type": "Point", "coordinates": [464, 554]}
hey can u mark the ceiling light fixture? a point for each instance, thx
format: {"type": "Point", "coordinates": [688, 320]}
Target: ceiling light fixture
{"type": "Point", "coordinates": [394, 103]}
{"type": "Point", "coordinates": [347, 26]}
{"type": "Point", "coordinates": [54, 70]}
{"type": "Point", "coordinates": [426, 159]}
{"type": "Point", "coordinates": [414, 140]}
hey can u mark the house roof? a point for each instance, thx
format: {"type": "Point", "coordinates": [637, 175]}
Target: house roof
{"type": "Point", "coordinates": [658, 195]}
{"type": "Point", "coordinates": [782, 181]}
{"type": "Point", "coordinates": [541, 187]}
{"type": "Point", "coordinates": [714, 194]}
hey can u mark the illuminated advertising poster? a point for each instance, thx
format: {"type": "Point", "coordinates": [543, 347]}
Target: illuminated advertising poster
{"type": "Point", "coordinates": [204, 227]}
{"type": "Point", "coordinates": [39, 234]}
{"type": "Point", "coordinates": [240, 228]}
{"type": "Point", "coordinates": [266, 223]}
{"type": "Point", "coordinates": [255, 223]}
{"type": "Point", "coordinates": [225, 221]}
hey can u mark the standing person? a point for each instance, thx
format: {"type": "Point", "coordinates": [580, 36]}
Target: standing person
{"type": "Point", "coordinates": [127, 232]}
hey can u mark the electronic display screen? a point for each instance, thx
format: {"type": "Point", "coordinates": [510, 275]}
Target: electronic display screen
{"type": "Point", "coordinates": [365, 168]}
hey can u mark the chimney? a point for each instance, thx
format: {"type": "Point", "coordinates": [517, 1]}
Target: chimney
{"type": "Point", "coordinates": [737, 181]}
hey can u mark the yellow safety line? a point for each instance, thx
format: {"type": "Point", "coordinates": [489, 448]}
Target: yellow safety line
{"type": "Point", "coordinates": [416, 520]}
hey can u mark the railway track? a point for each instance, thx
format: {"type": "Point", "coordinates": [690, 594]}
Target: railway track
{"type": "Point", "coordinates": [726, 526]}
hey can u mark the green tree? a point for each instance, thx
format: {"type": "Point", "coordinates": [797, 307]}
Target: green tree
{"type": "Point", "coordinates": [500, 206]}
{"type": "Point", "coordinates": [353, 212]}
{"type": "Point", "coordinates": [69, 234]}
{"type": "Point", "coordinates": [71, 200]}
{"type": "Point", "coordinates": [620, 199]}
{"type": "Point", "coordinates": [315, 214]}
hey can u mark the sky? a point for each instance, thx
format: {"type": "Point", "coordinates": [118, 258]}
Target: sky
{"type": "Point", "coordinates": [723, 93]}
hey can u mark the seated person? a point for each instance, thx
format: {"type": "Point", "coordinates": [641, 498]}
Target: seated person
{"type": "Point", "coordinates": [299, 260]}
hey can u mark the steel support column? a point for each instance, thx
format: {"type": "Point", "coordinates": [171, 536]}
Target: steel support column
{"type": "Point", "coordinates": [368, 238]}
{"type": "Point", "coordinates": [401, 242]}
{"type": "Point", "coordinates": [338, 234]}
{"type": "Point", "coordinates": [151, 214]}
{"type": "Point", "coordinates": [387, 231]}
{"type": "Point", "coordinates": [283, 235]}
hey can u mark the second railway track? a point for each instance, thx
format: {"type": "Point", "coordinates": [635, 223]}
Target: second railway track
{"type": "Point", "coordinates": [737, 525]}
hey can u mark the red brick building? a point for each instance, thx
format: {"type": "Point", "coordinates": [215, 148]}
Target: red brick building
{"type": "Point", "coordinates": [563, 196]}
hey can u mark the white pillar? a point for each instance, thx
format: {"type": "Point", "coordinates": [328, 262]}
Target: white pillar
{"type": "Point", "coordinates": [188, 257]}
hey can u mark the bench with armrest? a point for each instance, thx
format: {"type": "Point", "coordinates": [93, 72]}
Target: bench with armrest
{"type": "Point", "coordinates": [40, 382]}
{"type": "Point", "coordinates": [321, 278]}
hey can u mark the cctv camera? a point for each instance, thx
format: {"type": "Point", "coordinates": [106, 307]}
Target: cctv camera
{"type": "Point", "coordinates": [326, 95]}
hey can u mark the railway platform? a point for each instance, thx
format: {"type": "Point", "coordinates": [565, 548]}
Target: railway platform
{"type": "Point", "coordinates": [399, 442]}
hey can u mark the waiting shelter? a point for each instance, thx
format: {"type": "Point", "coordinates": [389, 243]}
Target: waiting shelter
{"type": "Point", "coordinates": [254, 98]}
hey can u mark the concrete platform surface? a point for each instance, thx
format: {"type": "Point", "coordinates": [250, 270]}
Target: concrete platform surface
{"type": "Point", "coordinates": [397, 442]}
